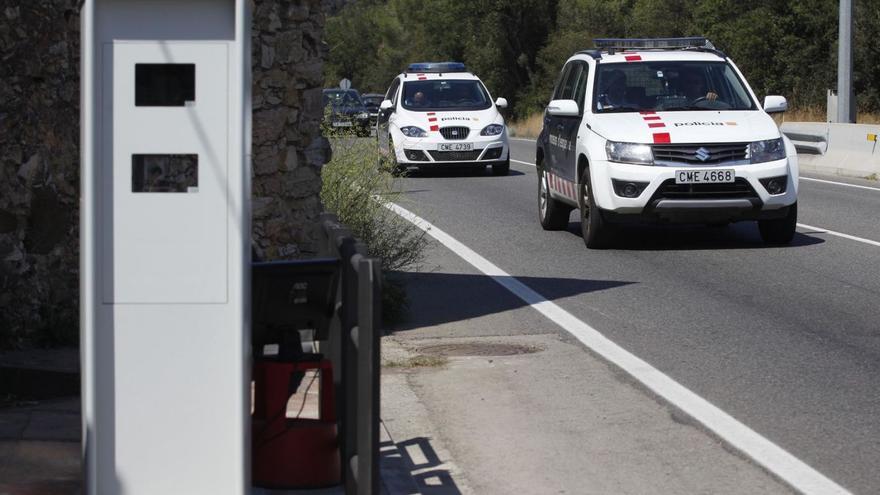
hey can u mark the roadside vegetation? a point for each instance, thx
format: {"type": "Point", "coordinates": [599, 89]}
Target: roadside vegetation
{"type": "Point", "coordinates": [518, 46]}
{"type": "Point", "coordinates": [356, 190]}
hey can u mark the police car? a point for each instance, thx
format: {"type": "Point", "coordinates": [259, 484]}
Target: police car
{"type": "Point", "coordinates": [441, 115]}
{"type": "Point", "coordinates": [662, 130]}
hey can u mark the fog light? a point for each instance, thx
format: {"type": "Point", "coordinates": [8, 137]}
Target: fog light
{"type": "Point", "coordinates": [775, 185]}
{"type": "Point", "coordinates": [415, 155]}
{"type": "Point", "coordinates": [628, 189]}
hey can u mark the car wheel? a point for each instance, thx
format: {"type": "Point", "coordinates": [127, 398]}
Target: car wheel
{"type": "Point", "coordinates": [552, 214]}
{"type": "Point", "coordinates": [397, 169]}
{"type": "Point", "coordinates": [501, 168]}
{"type": "Point", "coordinates": [779, 230]}
{"type": "Point", "coordinates": [595, 230]}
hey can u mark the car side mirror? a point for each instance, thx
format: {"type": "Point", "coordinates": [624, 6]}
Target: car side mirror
{"type": "Point", "coordinates": [775, 104]}
{"type": "Point", "coordinates": [501, 103]}
{"type": "Point", "coordinates": [563, 108]}
{"type": "Point", "coordinates": [386, 105]}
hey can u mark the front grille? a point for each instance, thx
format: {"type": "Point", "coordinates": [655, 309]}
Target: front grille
{"type": "Point", "coordinates": [455, 132]}
{"type": "Point", "coordinates": [687, 153]}
{"type": "Point", "coordinates": [455, 156]}
{"type": "Point", "coordinates": [735, 190]}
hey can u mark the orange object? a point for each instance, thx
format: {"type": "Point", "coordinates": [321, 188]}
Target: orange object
{"type": "Point", "coordinates": [292, 452]}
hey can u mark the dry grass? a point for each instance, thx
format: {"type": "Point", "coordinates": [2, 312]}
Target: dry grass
{"type": "Point", "coordinates": [530, 127]}
{"type": "Point", "coordinates": [420, 361]}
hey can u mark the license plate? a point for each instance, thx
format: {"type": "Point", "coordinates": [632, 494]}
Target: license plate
{"type": "Point", "coordinates": [455, 147]}
{"type": "Point", "coordinates": [705, 176]}
{"type": "Point", "coordinates": [342, 124]}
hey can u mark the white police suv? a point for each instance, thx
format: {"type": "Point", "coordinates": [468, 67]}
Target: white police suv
{"type": "Point", "coordinates": [440, 115]}
{"type": "Point", "coordinates": [662, 130]}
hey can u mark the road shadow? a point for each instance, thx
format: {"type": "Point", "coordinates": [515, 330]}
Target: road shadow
{"type": "Point", "coordinates": [426, 468]}
{"type": "Point", "coordinates": [456, 172]}
{"type": "Point", "coordinates": [649, 237]}
{"type": "Point", "coordinates": [439, 298]}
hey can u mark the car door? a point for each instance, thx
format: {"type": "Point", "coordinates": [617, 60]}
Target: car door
{"type": "Point", "coordinates": [383, 120]}
{"type": "Point", "coordinates": [580, 73]}
{"type": "Point", "coordinates": [550, 122]}
{"type": "Point", "coordinates": [560, 127]}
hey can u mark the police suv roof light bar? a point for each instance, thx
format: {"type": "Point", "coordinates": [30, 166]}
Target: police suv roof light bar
{"type": "Point", "coordinates": [436, 67]}
{"type": "Point", "coordinates": [614, 44]}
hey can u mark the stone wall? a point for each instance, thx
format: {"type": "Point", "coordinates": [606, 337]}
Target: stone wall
{"type": "Point", "coordinates": [39, 153]}
{"type": "Point", "coordinates": [39, 170]}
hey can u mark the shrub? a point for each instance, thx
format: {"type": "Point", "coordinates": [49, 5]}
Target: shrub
{"type": "Point", "coordinates": [356, 188]}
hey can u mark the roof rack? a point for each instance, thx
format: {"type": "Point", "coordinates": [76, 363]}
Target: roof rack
{"type": "Point", "coordinates": [697, 43]}
{"type": "Point", "coordinates": [436, 67]}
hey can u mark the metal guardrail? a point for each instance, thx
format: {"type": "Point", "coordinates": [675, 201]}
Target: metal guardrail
{"type": "Point", "coordinates": [353, 348]}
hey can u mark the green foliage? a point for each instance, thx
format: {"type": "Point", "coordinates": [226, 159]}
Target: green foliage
{"type": "Point", "coordinates": [356, 190]}
{"type": "Point", "coordinates": [517, 47]}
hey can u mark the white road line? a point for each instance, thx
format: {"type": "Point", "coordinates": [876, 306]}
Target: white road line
{"type": "Point", "coordinates": [772, 457]}
{"type": "Point", "coordinates": [820, 230]}
{"type": "Point", "coordinates": [524, 163]}
{"type": "Point", "coordinates": [525, 140]}
{"type": "Point", "coordinates": [877, 189]}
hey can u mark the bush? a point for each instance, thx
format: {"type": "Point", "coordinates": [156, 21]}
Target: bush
{"type": "Point", "coordinates": [356, 190]}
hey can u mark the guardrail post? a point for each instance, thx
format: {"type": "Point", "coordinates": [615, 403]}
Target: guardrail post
{"type": "Point", "coordinates": [369, 325]}
{"type": "Point", "coordinates": [353, 348]}
{"type": "Point", "coordinates": [348, 363]}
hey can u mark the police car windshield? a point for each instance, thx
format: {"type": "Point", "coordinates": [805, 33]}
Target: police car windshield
{"type": "Point", "coordinates": [669, 86]}
{"type": "Point", "coordinates": [463, 94]}
{"type": "Point", "coordinates": [342, 99]}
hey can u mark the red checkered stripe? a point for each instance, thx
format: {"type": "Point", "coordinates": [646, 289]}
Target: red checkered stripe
{"type": "Point", "coordinates": [564, 187]}
{"type": "Point", "coordinates": [654, 121]}
{"type": "Point", "coordinates": [432, 122]}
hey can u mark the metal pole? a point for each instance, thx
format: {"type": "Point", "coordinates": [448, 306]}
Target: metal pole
{"type": "Point", "coordinates": [845, 96]}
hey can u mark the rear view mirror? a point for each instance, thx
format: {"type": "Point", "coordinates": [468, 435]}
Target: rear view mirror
{"type": "Point", "coordinates": [775, 104]}
{"type": "Point", "coordinates": [563, 108]}
{"type": "Point", "coordinates": [386, 105]}
{"type": "Point", "coordinates": [501, 103]}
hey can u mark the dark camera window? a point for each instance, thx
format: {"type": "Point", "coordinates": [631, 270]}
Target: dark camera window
{"type": "Point", "coordinates": [165, 173]}
{"type": "Point", "coordinates": [164, 85]}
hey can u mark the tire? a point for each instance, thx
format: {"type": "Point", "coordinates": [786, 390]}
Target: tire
{"type": "Point", "coordinates": [779, 230]}
{"type": "Point", "coordinates": [594, 229]}
{"type": "Point", "coordinates": [396, 169]}
{"type": "Point", "coordinates": [499, 169]}
{"type": "Point", "coordinates": [552, 214]}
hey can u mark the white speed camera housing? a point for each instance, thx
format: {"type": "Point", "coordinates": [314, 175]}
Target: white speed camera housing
{"type": "Point", "coordinates": [165, 246]}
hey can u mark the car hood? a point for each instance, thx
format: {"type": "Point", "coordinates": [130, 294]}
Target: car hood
{"type": "Point", "coordinates": [473, 119]}
{"type": "Point", "coordinates": [686, 127]}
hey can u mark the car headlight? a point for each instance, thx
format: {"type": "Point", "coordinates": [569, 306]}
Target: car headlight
{"type": "Point", "coordinates": [640, 154]}
{"type": "Point", "coordinates": [492, 130]}
{"type": "Point", "coordinates": [766, 151]}
{"type": "Point", "coordinates": [413, 131]}
{"type": "Point", "coordinates": [363, 115]}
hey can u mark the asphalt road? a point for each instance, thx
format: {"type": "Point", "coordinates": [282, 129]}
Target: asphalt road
{"type": "Point", "coordinates": [785, 339]}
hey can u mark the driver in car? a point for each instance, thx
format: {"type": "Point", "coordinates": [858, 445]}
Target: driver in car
{"type": "Point", "coordinates": [694, 87]}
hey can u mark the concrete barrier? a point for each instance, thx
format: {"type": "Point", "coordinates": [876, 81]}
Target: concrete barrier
{"type": "Point", "coordinates": [836, 149]}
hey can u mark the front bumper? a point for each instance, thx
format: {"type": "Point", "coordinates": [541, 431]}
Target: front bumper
{"type": "Point", "coordinates": [425, 151]}
{"type": "Point", "coordinates": [662, 200]}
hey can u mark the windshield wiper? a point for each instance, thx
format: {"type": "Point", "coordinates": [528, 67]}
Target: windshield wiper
{"type": "Point", "coordinates": [622, 108]}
